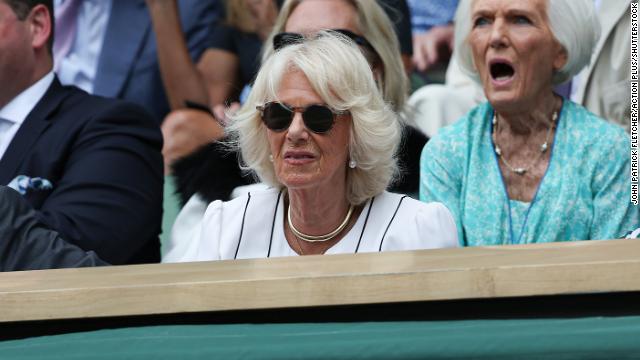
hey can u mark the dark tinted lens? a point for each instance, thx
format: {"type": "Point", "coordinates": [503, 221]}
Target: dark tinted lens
{"type": "Point", "coordinates": [276, 116]}
{"type": "Point", "coordinates": [318, 118]}
{"type": "Point", "coordinates": [356, 38]}
{"type": "Point", "coordinates": [283, 39]}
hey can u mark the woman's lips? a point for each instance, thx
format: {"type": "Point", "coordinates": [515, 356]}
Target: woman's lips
{"type": "Point", "coordinates": [298, 157]}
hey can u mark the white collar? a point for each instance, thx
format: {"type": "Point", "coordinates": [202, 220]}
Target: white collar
{"type": "Point", "coordinates": [20, 106]}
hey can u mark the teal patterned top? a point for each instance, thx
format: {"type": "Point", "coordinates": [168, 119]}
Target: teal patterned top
{"type": "Point", "coordinates": [585, 193]}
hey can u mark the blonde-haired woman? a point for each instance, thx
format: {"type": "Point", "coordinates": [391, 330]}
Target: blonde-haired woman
{"type": "Point", "coordinates": [317, 130]}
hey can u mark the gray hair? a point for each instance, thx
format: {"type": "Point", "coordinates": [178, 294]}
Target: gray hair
{"type": "Point", "coordinates": [375, 26]}
{"type": "Point", "coordinates": [573, 23]}
{"type": "Point", "coordinates": [339, 73]}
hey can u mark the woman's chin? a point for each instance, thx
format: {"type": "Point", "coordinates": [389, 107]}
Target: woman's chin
{"type": "Point", "coordinates": [299, 181]}
{"type": "Point", "coordinates": [504, 99]}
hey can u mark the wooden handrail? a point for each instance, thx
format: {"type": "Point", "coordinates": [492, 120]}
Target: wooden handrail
{"type": "Point", "coordinates": [467, 273]}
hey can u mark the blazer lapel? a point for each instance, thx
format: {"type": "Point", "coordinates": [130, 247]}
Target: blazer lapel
{"type": "Point", "coordinates": [29, 132]}
{"type": "Point", "coordinates": [129, 25]}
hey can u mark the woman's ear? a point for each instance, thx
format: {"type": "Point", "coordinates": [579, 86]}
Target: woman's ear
{"type": "Point", "coordinates": [561, 59]}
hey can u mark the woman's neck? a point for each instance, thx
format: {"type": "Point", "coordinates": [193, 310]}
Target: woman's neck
{"type": "Point", "coordinates": [528, 120]}
{"type": "Point", "coordinates": [523, 141]}
{"type": "Point", "coordinates": [317, 212]}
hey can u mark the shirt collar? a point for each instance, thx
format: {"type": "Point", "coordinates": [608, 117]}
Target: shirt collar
{"type": "Point", "coordinates": [20, 106]}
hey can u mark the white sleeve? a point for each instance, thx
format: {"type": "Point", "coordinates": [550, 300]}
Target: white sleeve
{"type": "Point", "coordinates": [209, 235]}
{"type": "Point", "coordinates": [436, 227]}
{"type": "Point", "coordinates": [186, 234]}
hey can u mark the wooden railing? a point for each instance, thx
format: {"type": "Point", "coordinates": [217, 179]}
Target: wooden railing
{"type": "Point", "coordinates": [448, 274]}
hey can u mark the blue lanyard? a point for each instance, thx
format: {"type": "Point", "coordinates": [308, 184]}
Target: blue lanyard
{"type": "Point", "coordinates": [524, 223]}
{"type": "Point", "coordinates": [504, 186]}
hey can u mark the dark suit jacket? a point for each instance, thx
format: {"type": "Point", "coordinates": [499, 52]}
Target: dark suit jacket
{"type": "Point", "coordinates": [26, 244]}
{"type": "Point", "coordinates": [103, 158]}
{"type": "Point", "coordinates": [128, 65]}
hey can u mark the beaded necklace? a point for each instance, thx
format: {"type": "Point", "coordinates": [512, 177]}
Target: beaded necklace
{"type": "Point", "coordinates": [543, 147]}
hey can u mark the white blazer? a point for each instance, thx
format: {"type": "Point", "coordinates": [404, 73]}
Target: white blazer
{"type": "Point", "coordinates": [252, 226]}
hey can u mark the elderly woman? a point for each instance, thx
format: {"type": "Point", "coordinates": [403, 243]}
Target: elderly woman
{"type": "Point", "coordinates": [316, 129]}
{"type": "Point", "coordinates": [529, 166]}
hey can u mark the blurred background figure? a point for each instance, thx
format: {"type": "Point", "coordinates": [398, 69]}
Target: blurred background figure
{"type": "Point", "coordinates": [604, 86]}
{"type": "Point", "coordinates": [529, 165]}
{"type": "Point", "coordinates": [432, 27]}
{"type": "Point", "coordinates": [108, 48]}
{"type": "Point", "coordinates": [196, 89]}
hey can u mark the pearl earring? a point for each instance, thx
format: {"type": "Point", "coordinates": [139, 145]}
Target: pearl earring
{"type": "Point", "coordinates": [271, 158]}
{"type": "Point", "coordinates": [352, 164]}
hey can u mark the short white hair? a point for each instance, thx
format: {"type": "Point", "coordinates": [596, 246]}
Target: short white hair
{"type": "Point", "coordinates": [573, 23]}
{"type": "Point", "coordinates": [340, 74]}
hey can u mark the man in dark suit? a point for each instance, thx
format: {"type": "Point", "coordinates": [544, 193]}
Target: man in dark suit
{"type": "Point", "coordinates": [27, 244]}
{"type": "Point", "coordinates": [90, 166]}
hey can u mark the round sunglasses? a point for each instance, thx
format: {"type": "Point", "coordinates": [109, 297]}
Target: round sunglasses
{"type": "Point", "coordinates": [317, 118]}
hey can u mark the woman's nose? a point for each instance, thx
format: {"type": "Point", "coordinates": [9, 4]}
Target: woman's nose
{"type": "Point", "coordinates": [297, 129]}
{"type": "Point", "coordinates": [498, 34]}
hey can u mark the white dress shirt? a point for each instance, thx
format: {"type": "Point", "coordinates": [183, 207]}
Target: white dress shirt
{"type": "Point", "coordinates": [16, 111]}
{"type": "Point", "coordinates": [79, 67]}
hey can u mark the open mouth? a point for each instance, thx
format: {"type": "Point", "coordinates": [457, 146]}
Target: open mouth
{"type": "Point", "coordinates": [501, 71]}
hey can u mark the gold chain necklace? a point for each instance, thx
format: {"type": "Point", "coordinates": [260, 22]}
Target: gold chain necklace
{"type": "Point", "coordinates": [543, 147]}
{"type": "Point", "coordinates": [318, 238]}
